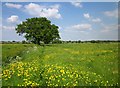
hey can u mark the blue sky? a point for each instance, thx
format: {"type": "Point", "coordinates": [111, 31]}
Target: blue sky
{"type": "Point", "coordinates": [76, 20]}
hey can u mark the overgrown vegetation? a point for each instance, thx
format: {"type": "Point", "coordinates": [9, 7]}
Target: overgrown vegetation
{"type": "Point", "coordinates": [11, 51]}
{"type": "Point", "coordinates": [84, 64]}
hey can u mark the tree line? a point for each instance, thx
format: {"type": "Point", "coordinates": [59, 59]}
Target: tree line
{"type": "Point", "coordinates": [61, 41]}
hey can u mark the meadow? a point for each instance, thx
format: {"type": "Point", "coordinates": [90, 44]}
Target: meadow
{"type": "Point", "coordinates": [72, 64]}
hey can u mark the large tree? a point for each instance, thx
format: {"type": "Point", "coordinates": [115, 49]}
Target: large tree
{"type": "Point", "coordinates": [38, 30]}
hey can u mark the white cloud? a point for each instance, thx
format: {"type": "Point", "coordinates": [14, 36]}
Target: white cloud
{"type": "Point", "coordinates": [13, 18]}
{"type": "Point", "coordinates": [86, 15]}
{"type": "Point", "coordinates": [81, 27]}
{"type": "Point", "coordinates": [96, 20]}
{"type": "Point", "coordinates": [113, 13]}
{"type": "Point", "coordinates": [77, 4]}
{"type": "Point", "coordinates": [75, 32]}
{"type": "Point", "coordinates": [8, 27]}
{"type": "Point", "coordinates": [43, 11]}
{"type": "Point", "coordinates": [11, 5]}
{"type": "Point", "coordinates": [108, 28]}
{"type": "Point", "coordinates": [104, 32]}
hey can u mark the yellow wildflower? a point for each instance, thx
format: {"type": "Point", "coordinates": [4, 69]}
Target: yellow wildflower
{"type": "Point", "coordinates": [62, 71]}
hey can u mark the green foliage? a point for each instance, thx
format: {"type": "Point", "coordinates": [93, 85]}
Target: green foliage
{"type": "Point", "coordinates": [10, 51]}
{"type": "Point", "coordinates": [38, 30]}
{"type": "Point", "coordinates": [84, 64]}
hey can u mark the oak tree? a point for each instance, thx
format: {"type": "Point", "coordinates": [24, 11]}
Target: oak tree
{"type": "Point", "coordinates": [38, 30]}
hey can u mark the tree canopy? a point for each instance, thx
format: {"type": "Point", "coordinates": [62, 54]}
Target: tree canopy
{"type": "Point", "coordinates": [38, 30]}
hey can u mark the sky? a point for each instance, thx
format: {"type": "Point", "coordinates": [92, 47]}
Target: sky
{"type": "Point", "coordinates": [76, 20]}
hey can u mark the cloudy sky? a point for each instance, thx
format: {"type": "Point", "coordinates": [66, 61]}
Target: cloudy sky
{"type": "Point", "coordinates": [76, 20]}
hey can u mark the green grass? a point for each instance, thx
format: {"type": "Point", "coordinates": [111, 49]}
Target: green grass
{"type": "Point", "coordinates": [84, 64]}
{"type": "Point", "coordinates": [9, 51]}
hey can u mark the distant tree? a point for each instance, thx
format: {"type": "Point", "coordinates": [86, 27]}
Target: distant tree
{"type": "Point", "coordinates": [79, 41]}
{"type": "Point", "coordinates": [24, 42]}
{"type": "Point", "coordinates": [13, 41]}
{"type": "Point", "coordinates": [69, 41]}
{"type": "Point", "coordinates": [76, 41]}
{"type": "Point", "coordinates": [72, 41]}
{"type": "Point", "coordinates": [93, 41]}
{"type": "Point", "coordinates": [38, 30]}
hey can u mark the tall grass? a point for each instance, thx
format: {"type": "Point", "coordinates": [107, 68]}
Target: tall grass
{"type": "Point", "coordinates": [85, 64]}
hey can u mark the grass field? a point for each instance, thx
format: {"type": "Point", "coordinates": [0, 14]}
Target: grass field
{"type": "Point", "coordinates": [84, 64]}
